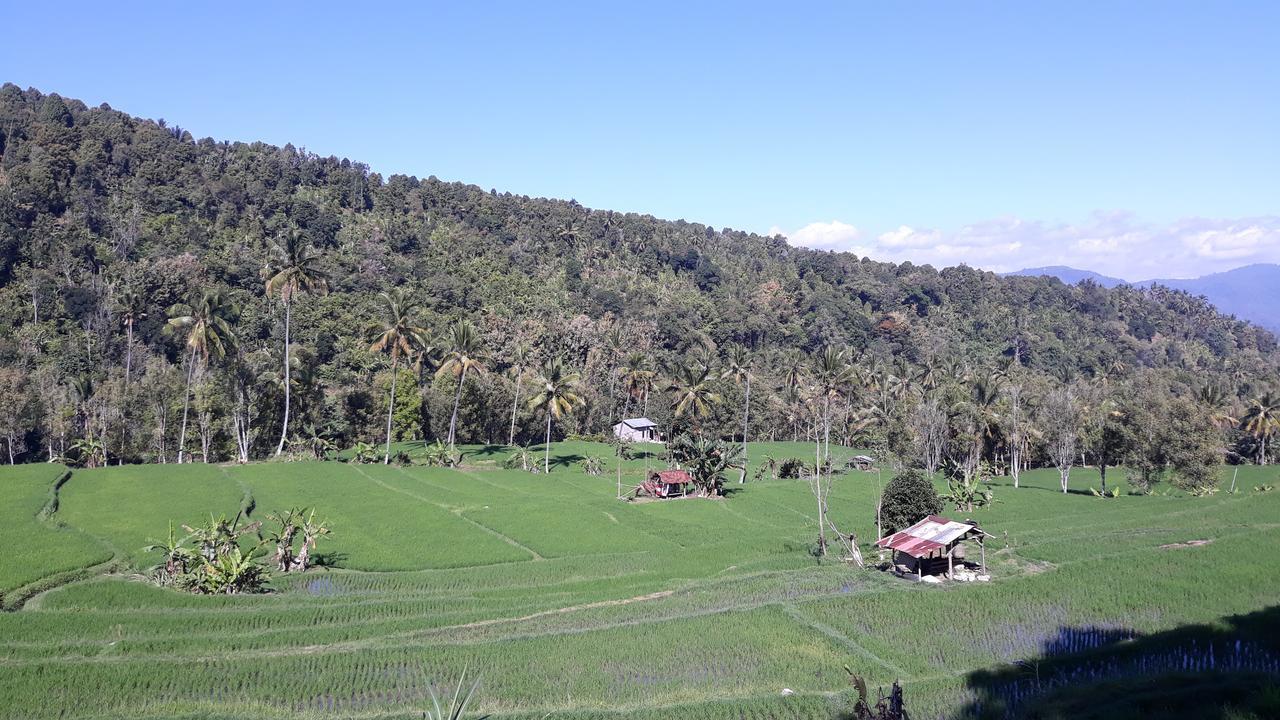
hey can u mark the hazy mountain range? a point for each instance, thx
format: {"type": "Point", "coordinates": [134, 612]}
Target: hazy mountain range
{"type": "Point", "coordinates": [1251, 292]}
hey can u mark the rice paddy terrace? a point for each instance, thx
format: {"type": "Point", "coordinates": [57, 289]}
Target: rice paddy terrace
{"type": "Point", "coordinates": [571, 603]}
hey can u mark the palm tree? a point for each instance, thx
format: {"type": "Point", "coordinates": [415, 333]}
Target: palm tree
{"type": "Point", "coordinates": [738, 368]}
{"type": "Point", "coordinates": [519, 360]}
{"type": "Point", "coordinates": [832, 373]}
{"type": "Point", "coordinates": [130, 308]}
{"type": "Point", "coordinates": [1261, 420]}
{"type": "Point", "coordinates": [298, 273]}
{"type": "Point", "coordinates": [207, 322]}
{"type": "Point", "coordinates": [691, 392]}
{"type": "Point", "coordinates": [400, 336]}
{"type": "Point", "coordinates": [637, 381]}
{"type": "Point", "coordinates": [1218, 405]}
{"type": "Point", "coordinates": [462, 352]}
{"type": "Point", "coordinates": [557, 397]}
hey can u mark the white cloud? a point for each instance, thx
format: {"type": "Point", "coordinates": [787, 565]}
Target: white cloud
{"type": "Point", "coordinates": [1113, 243]}
{"type": "Point", "coordinates": [833, 235]}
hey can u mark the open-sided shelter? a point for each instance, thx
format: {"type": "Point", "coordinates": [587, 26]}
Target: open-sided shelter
{"type": "Point", "coordinates": [933, 544]}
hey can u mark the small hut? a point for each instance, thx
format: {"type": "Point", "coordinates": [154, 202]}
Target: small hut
{"type": "Point", "coordinates": [665, 484]}
{"type": "Point", "coordinates": [934, 546]}
{"type": "Point", "coordinates": [637, 430]}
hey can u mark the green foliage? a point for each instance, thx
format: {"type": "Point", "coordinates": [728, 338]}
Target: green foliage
{"type": "Point", "coordinates": [968, 488]}
{"type": "Point", "coordinates": [908, 498]}
{"type": "Point", "coordinates": [592, 465]}
{"type": "Point", "coordinates": [706, 460]}
{"type": "Point", "coordinates": [431, 584]}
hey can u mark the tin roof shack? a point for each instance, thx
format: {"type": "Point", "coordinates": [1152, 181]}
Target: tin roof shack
{"type": "Point", "coordinates": [664, 484]}
{"type": "Point", "coordinates": [637, 430]}
{"type": "Point", "coordinates": [934, 545]}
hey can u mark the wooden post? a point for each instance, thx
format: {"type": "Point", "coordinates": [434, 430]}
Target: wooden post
{"type": "Point", "coordinates": [951, 570]}
{"type": "Point", "coordinates": [983, 546]}
{"type": "Point", "coordinates": [920, 569]}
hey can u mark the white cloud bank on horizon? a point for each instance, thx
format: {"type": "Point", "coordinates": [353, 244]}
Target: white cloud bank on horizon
{"type": "Point", "coordinates": [1111, 243]}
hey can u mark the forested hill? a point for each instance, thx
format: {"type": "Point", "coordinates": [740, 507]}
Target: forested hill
{"type": "Point", "coordinates": [107, 220]}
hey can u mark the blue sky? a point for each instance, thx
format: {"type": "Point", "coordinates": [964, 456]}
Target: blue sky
{"type": "Point", "coordinates": [999, 134]}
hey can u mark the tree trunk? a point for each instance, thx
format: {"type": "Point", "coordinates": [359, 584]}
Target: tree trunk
{"type": "Point", "coordinates": [391, 408]}
{"type": "Point", "coordinates": [284, 427]}
{"type": "Point", "coordinates": [817, 492]}
{"type": "Point", "coordinates": [10, 439]}
{"type": "Point", "coordinates": [186, 403]}
{"type": "Point", "coordinates": [546, 458]}
{"type": "Point", "coordinates": [746, 416]}
{"type": "Point", "coordinates": [1102, 472]}
{"type": "Point", "coordinates": [128, 352]}
{"type": "Point", "coordinates": [515, 403]}
{"type": "Point", "coordinates": [457, 398]}
{"type": "Point", "coordinates": [1015, 461]}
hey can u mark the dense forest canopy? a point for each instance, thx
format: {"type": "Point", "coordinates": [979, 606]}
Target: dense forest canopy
{"type": "Point", "coordinates": [113, 229]}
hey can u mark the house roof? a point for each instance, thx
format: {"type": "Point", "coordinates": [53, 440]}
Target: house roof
{"type": "Point", "coordinates": [639, 423]}
{"type": "Point", "coordinates": [674, 477]}
{"type": "Point", "coordinates": [932, 533]}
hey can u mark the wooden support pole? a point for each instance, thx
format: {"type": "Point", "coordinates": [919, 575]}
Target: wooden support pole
{"type": "Point", "coordinates": [951, 569]}
{"type": "Point", "coordinates": [983, 546]}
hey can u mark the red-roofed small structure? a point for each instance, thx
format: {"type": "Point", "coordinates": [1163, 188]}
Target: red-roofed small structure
{"type": "Point", "coordinates": [665, 484]}
{"type": "Point", "coordinates": [933, 539]}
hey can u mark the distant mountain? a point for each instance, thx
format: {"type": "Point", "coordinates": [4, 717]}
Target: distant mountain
{"type": "Point", "coordinates": [1070, 275]}
{"type": "Point", "coordinates": [1251, 292]}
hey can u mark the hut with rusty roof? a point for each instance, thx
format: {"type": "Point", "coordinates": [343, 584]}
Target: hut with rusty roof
{"type": "Point", "coordinates": [934, 546]}
{"type": "Point", "coordinates": [665, 484]}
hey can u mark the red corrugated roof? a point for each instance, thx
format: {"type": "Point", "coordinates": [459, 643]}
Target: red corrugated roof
{"type": "Point", "coordinates": [930, 534]}
{"type": "Point", "coordinates": [674, 477]}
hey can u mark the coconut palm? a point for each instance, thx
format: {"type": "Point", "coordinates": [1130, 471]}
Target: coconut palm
{"type": "Point", "coordinates": [462, 353]}
{"type": "Point", "coordinates": [738, 369]}
{"type": "Point", "coordinates": [1217, 403]}
{"type": "Point", "coordinates": [207, 321]}
{"type": "Point", "coordinates": [637, 381]}
{"type": "Point", "coordinates": [557, 396]}
{"type": "Point", "coordinates": [519, 362]}
{"type": "Point", "coordinates": [691, 392]}
{"type": "Point", "coordinates": [1261, 420]}
{"type": "Point", "coordinates": [298, 273]}
{"type": "Point", "coordinates": [129, 305]}
{"type": "Point", "coordinates": [832, 374]}
{"type": "Point", "coordinates": [398, 335]}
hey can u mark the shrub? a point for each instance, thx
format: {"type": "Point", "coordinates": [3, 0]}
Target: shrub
{"type": "Point", "coordinates": [792, 469]}
{"type": "Point", "coordinates": [908, 498]}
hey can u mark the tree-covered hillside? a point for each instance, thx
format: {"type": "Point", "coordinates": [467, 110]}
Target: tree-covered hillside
{"type": "Point", "coordinates": [134, 262]}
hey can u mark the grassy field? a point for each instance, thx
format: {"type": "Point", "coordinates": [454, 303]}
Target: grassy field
{"type": "Point", "coordinates": [570, 602]}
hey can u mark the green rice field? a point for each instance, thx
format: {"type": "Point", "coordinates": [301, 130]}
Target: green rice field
{"type": "Point", "coordinates": [572, 604]}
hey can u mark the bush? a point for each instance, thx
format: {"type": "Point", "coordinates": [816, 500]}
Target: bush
{"type": "Point", "coordinates": [792, 469]}
{"type": "Point", "coordinates": [907, 499]}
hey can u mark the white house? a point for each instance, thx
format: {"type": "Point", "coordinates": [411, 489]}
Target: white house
{"type": "Point", "coordinates": [638, 430]}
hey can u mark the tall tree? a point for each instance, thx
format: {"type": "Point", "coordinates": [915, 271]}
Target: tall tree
{"type": "Point", "coordinates": [691, 392]}
{"type": "Point", "coordinates": [398, 335]}
{"type": "Point", "coordinates": [1061, 425]}
{"type": "Point", "coordinates": [637, 382]}
{"type": "Point", "coordinates": [738, 368]}
{"type": "Point", "coordinates": [557, 396]}
{"type": "Point", "coordinates": [831, 373]}
{"type": "Point", "coordinates": [1261, 420]}
{"type": "Point", "coordinates": [298, 272]}
{"type": "Point", "coordinates": [129, 305]}
{"type": "Point", "coordinates": [207, 323]}
{"type": "Point", "coordinates": [519, 362]}
{"type": "Point", "coordinates": [462, 354]}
